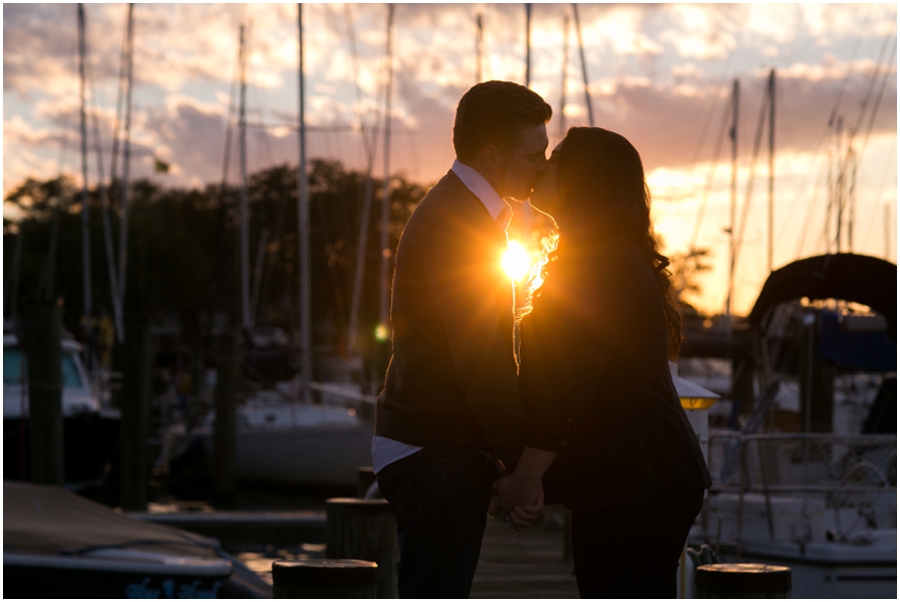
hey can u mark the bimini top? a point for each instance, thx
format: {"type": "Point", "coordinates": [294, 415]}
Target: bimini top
{"type": "Point", "coordinates": [845, 276]}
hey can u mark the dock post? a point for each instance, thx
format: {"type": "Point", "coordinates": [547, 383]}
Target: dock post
{"type": "Point", "coordinates": [225, 427]}
{"type": "Point", "coordinates": [45, 423]}
{"type": "Point", "coordinates": [137, 385]}
{"type": "Point", "coordinates": [742, 581]}
{"type": "Point", "coordinates": [324, 578]}
{"type": "Point", "coordinates": [365, 530]}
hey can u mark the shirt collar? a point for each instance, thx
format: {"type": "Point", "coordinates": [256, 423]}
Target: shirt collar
{"type": "Point", "coordinates": [480, 187]}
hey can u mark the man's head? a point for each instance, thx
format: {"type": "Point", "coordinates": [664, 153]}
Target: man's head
{"type": "Point", "coordinates": [500, 131]}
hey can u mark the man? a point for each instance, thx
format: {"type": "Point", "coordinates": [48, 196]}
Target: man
{"type": "Point", "coordinates": [451, 393]}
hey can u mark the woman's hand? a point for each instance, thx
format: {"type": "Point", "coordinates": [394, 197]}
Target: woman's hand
{"type": "Point", "coordinates": [522, 497]}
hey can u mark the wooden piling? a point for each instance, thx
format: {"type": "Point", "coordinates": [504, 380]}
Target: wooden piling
{"type": "Point", "coordinates": [225, 428]}
{"type": "Point", "coordinates": [137, 386]}
{"type": "Point", "coordinates": [742, 581]}
{"type": "Point", "coordinates": [364, 530]}
{"type": "Point", "coordinates": [324, 578]}
{"type": "Point", "coordinates": [43, 324]}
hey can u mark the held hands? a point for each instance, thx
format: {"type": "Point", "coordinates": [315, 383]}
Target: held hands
{"type": "Point", "coordinates": [520, 496]}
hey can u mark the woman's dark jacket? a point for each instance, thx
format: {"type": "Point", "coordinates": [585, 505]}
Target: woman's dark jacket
{"type": "Point", "coordinates": [596, 381]}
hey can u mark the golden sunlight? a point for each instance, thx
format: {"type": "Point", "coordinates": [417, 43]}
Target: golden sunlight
{"type": "Point", "coordinates": [516, 261]}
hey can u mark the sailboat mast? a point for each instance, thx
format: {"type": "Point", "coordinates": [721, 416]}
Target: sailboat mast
{"type": "Point", "coordinates": [383, 297]}
{"type": "Point", "coordinates": [527, 44]}
{"type": "Point", "coordinates": [126, 161]}
{"type": "Point", "coordinates": [244, 219]}
{"type": "Point", "coordinates": [584, 74]}
{"type": "Point", "coordinates": [303, 233]}
{"type": "Point", "coordinates": [839, 185]}
{"type": "Point", "coordinates": [771, 165]}
{"type": "Point", "coordinates": [479, 43]}
{"type": "Point", "coordinates": [735, 97]}
{"type": "Point", "coordinates": [85, 208]}
{"type": "Point", "coordinates": [565, 77]}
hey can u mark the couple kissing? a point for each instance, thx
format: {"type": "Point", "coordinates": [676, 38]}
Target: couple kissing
{"type": "Point", "coordinates": [486, 409]}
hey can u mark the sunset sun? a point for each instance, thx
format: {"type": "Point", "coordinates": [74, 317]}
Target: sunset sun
{"type": "Point", "coordinates": [516, 261]}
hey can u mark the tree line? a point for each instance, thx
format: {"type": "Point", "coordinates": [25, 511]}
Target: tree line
{"type": "Point", "coordinates": [184, 254]}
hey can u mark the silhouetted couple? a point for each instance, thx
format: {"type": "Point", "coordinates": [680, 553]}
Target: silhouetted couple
{"type": "Point", "coordinates": [576, 404]}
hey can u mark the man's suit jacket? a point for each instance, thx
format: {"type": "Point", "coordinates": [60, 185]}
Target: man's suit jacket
{"type": "Point", "coordinates": [452, 379]}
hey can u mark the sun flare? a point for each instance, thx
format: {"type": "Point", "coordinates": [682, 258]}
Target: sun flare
{"type": "Point", "coordinates": [516, 261]}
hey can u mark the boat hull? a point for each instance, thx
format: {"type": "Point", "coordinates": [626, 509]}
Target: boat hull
{"type": "Point", "coordinates": [311, 456]}
{"type": "Point", "coordinates": [27, 576]}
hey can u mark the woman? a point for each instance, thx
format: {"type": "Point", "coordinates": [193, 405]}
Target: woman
{"type": "Point", "coordinates": [610, 440]}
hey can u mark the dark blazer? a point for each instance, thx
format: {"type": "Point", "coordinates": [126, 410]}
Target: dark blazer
{"type": "Point", "coordinates": [452, 378]}
{"type": "Point", "coordinates": [596, 381]}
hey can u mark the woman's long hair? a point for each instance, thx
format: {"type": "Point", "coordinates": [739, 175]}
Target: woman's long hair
{"type": "Point", "coordinates": [606, 201]}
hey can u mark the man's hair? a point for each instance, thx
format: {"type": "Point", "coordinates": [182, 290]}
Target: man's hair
{"type": "Point", "coordinates": [495, 112]}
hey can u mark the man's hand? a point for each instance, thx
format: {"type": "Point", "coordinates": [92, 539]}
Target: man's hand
{"type": "Point", "coordinates": [520, 496]}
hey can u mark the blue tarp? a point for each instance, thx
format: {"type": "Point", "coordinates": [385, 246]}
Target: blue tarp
{"type": "Point", "coordinates": [857, 350]}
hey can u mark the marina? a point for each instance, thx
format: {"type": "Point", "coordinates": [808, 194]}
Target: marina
{"type": "Point", "coordinates": [199, 255]}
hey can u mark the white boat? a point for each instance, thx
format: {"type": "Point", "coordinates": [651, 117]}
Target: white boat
{"type": "Point", "coordinates": [825, 505]}
{"type": "Point", "coordinates": [295, 443]}
{"type": "Point", "coordinates": [90, 431]}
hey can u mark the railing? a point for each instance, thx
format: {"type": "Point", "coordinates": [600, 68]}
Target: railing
{"type": "Point", "coordinates": [847, 471]}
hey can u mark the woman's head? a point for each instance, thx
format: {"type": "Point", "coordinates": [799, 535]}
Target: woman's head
{"type": "Point", "coordinates": [594, 186]}
{"type": "Point", "coordinates": [600, 179]}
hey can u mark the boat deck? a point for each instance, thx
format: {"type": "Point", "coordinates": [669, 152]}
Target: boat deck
{"type": "Point", "coordinates": [528, 564]}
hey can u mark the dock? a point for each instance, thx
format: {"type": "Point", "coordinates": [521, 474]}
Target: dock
{"type": "Point", "coordinates": [527, 564]}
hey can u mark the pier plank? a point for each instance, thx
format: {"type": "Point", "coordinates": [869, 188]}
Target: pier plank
{"type": "Point", "coordinates": [527, 564]}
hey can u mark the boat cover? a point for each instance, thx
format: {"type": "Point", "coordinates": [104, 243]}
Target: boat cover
{"type": "Point", "coordinates": [846, 276]}
{"type": "Point", "coordinates": [50, 520]}
{"type": "Point", "coordinates": [871, 351]}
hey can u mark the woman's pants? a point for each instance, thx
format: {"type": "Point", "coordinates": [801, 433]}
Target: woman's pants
{"type": "Point", "coordinates": [632, 552]}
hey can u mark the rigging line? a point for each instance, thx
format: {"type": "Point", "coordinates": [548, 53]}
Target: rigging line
{"type": "Point", "coordinates": [810, 206]}
{"type": "Point", "coordinates": [104, 202]}
{"type": "Point", "coordinates": [873, 80]}
{"type": "Point", "coordinates": [120, 94]}
{"type": "Point", "coordinates": [104, 197]}
{"type": "Point", "coordinates": [708, 186]}
{"type": "Point", "coordinates": [891, 162]}
{"type": "Point", "coordinates": [840, 96]}
{"type": "Point", "coordinates": [878, 99]}
{"type": "Point", "coordinates": [354, 53]}
{"type": "Point", "coordinates": [748, 196]}
{"type": "Point", "coordinates": [710, 178]}
{"type": "Point", "coordinates": [703, 132]}
{"type": "Point", "coordinates": [845, 161]}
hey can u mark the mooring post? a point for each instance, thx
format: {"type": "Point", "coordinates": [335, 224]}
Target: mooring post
{"type": "Point", "coordinates": [324, 578]}
{"type": "Point", "coordinates": [137, 385]}
{"type": "Point", "coordinates": [742, 581]}
{"type": "Point", "coordinates": [43, 329]}
{"type": "Point", "coordinates": [364, 530]}
{"type": "Point", "coordinates": [225, 428]}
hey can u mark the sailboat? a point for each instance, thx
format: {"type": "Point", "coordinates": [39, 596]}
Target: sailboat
{"type": "Point", "coordinates": [808, 479]}
{"type": "Point", "coordinates": [282, 436]}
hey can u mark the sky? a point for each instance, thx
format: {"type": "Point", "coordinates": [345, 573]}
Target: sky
{"type": "Point", "coordinates": [661, 75]}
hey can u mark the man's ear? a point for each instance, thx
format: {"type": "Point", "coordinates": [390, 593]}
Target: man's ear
{"type": "Point", "coordinates": [490, 155]}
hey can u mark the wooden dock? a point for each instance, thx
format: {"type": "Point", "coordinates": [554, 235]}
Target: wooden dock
{"type": "Point", "coordinates": [528, 564]}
